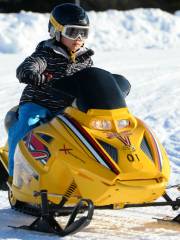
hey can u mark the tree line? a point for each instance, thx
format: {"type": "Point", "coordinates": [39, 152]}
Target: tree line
{"type": "Point", "coordinates": [97, 5]}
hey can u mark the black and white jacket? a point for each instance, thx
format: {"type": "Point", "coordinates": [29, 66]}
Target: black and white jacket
{"type": "Point", "coordinates": [54, 59]}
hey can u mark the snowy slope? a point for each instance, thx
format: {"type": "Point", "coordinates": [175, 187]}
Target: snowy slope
{"type": "Point", "coordinates": [155, 97]}
{"type": "Point", "coordinates": [126, 224]}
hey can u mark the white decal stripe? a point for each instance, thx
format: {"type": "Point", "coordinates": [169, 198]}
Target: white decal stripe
{"type": "Point", "coordinates": [83, 140]}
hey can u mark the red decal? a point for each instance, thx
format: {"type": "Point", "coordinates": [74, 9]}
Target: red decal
{"type": "Point", "coordinates": [37, 149]}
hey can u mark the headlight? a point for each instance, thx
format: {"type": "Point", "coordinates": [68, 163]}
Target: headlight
{"type": "Point", "coordinates": [123, 123]}
{"type": "Point", "coordinates": [101, 124]}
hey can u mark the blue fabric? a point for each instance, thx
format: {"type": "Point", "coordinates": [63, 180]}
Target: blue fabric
{"type": "Point", "coordinates": [30, 114]}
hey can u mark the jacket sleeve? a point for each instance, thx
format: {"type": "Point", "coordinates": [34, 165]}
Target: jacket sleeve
{"type": "Point", "coordinates": [89, 62]}
{"type": "Point", "coordinates": [34, 64]}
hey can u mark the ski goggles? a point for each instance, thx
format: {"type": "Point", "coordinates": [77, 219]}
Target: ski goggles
{"type": "Point", "coordinates": [74, 31]}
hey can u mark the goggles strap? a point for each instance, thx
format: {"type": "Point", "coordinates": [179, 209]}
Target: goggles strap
{"type": "Point", "coordinates": [56, 25]}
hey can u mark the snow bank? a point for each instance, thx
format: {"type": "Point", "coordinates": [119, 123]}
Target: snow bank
{"type": "Point", "coordinates": [110, 30]}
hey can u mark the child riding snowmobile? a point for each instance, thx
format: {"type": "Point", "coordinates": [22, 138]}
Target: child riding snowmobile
{"type": "Point", "coordinates": [62, 55]}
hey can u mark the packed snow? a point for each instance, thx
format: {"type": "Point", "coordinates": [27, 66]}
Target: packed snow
{"type": "Point", "coordinates": [144, 46]}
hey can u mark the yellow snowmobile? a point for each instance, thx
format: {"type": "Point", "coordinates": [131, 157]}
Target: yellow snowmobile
{"type": "Point", "coordinates": [95, 154]}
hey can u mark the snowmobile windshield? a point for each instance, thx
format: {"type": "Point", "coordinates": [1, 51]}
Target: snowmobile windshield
{"type": "Point", "coordinates": [98, 89]}
{"type": "Point", "coordinates": [93, 88]}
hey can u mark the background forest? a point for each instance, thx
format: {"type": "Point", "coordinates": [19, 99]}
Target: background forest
{"type": "Point", "coordinates": [97, 5]}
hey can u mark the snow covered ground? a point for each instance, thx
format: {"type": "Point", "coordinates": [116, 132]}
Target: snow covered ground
{"type": "Point", "coordinates": [144, 46]}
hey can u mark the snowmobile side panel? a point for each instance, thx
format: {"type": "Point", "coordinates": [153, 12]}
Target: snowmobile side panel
{"type": "Point", "coordinates": [3, 168]}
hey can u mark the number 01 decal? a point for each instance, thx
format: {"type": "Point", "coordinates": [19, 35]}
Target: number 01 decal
{"type": "Point", "coordinates": [132, 157]}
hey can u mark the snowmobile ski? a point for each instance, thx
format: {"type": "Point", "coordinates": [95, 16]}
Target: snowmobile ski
{"type": "Point", "coordinates": [176, 186]}
{"type": "Point", "coordinates": [168, 219]}
{"type": "Point", "coordinates": [46, 222]}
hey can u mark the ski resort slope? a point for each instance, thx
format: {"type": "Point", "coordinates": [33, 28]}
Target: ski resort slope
{"type": "Point", "coordinates": [154, 74]}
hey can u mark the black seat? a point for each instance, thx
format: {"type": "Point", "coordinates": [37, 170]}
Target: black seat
{"type": "Point", "coordinates": [11, 117]}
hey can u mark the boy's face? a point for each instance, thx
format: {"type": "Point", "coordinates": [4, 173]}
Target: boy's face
{"type": "Point", "coordinates": [72, 45]}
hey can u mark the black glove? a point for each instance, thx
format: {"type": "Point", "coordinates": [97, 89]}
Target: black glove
{"type": "Point", "coordinates": [37, 79]}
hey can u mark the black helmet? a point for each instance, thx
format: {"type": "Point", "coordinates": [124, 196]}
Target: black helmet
{"type": "Point", "coordinates": [66, 14]}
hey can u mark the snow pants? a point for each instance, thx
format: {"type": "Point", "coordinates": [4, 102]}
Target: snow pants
{"type": "Point", "coordinates": [29, 116]}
